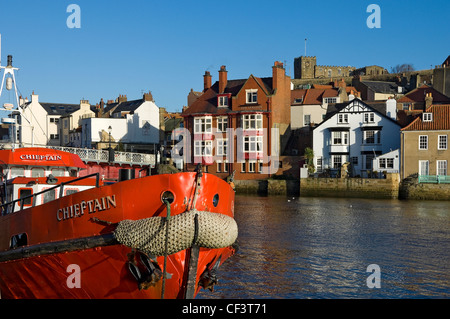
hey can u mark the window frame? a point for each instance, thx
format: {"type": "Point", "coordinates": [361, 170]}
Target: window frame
{"type": "Point", "coordinates": [202, 126]}
{"type": "Point", "coordinates": [221, 121]}
{"type": "Point", "coordinates": [251, 96]}
{"type": "Point", "coordinates": [247, 121]}
{"type": "Point", "coordinates": [423, 145]}
{"type": "Point", "coordinates": [445, 167]}
{"type": "Point", "coordinates": [445, 141]}
{"type": "Point", "coordinates": [204, 146]}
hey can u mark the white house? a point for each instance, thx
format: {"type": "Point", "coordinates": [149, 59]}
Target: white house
{"type": "Point", "coordinates": [355, 132]}
{"type": "Point", "coordinates": [135, 124]}
{"type": "Point", "coordinates": [40, 122]}
{"type": "Point", "coordinates": [72, 120]}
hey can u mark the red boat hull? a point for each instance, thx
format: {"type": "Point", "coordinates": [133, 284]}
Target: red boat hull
{"type": "Point", "coordinates": [103, 271]}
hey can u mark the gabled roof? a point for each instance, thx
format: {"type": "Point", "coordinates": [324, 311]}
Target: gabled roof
{"type": "Point", "coordinates": [419, 94]}
{"type": "Point", "coordinates": [440, 119]}
{"type": "Point", "coordinates": [338, 107]}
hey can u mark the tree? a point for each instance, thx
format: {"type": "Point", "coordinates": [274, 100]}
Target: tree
{"type": "Point", "coordinates": [400, 68]}
{"type": "Point", "coordinates": [309, 154]}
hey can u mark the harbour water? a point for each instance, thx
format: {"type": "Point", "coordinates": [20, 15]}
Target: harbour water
{"type": "Point", "coordinates": [299, 248]}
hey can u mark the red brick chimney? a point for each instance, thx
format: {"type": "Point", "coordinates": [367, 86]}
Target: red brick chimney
{"type": "Point", "coordinates": [148, 96]}
{"type": "Point", "coordinates": [277, 74]}
{"type": "Point", "coordinates": [206, 81]}
{"type": "Point", "coordinates": [222, 79]}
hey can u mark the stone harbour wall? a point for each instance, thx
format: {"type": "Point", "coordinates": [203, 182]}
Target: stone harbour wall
{"type": "Point", "coordinates": [351, 187]}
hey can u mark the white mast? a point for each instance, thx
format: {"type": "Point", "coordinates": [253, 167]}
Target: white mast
{"type": "Point", "coordinates": [8, 73]}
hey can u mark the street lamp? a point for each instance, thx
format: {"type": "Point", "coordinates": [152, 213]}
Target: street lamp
{"type": "Point", "coordinates": [110, 150]}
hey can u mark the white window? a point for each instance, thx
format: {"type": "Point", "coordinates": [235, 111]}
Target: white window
{"type": "Point", "coordinates": [251, 96]}
{"type": "Point", "coordinates": [252, 122]}
{"type": "Point", "coordinates": [202, 148]}
{"type": "Point", "coordinates": [424, 167]}
{"type": "Point", "coordinates": [252, 166]}
{"type": "Point", "coordinates": [337, 161]}
{"type": "Point", "coordinates": [37, 172]}
{"type": "Point", "coordinates": [427, 117]}
{"type": "Point", "coordinates": [223, 101]}
{"type": "Point", "coordinates": [389, 163]}
{"type": "Point", "coordinates": [442, 142]}
{"type": "Point", "coordinates": [243, 167]}
{"type": "Point", "coordinates": [423, 142]}
{"type": "Point", "coordinates": [222, 123]}
{"type": "Point", "coordinates": [221, 148]}
{"type": "Point", "coordinates": [372, 137]}
{"type": "Point", "coordinates": [369, 117]}
{"type": "Point", "coordinates": [253, 144]}
{"type": "Point", "coordinates": [330, 100]}
{"type": "Point", "coordinates": [319, 164]}
{"type": "Point", "coordinates": [382, 163]}
{"type": "Point", "coordinates": [58, 172]}
{"type": "Point", "coordinates": [343, 118]}
{"type": "Point", "coordinates": [340, 138]}
{"type": "Point", "coordinates": [307, 119]}
{"type": "Point", "coordinates": [17, 171]}
{"type": "Point", "coordinates": [203, 124]}
{"type": "Point", "coordinates": [441, 168]}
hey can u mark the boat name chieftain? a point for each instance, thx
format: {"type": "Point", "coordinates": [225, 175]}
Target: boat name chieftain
{"type": "Point", "coordinates": [92, 206]}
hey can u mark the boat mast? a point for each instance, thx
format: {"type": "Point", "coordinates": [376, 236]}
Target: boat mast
{"type": "Point", "coordinates": [10, 77]}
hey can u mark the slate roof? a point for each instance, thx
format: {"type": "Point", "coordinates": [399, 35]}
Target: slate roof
{"type": "Point", "coordinates": [382, 86]}
{"type": "Point", "coordinates": [440, 120]}
{"type": "Point", "coordinates": [59, 108]}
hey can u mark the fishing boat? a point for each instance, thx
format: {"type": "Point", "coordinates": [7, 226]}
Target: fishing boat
{"type": "Point", "coordinates": [69, 235]}
{"type": "Point", "coordinates": [65, 236]}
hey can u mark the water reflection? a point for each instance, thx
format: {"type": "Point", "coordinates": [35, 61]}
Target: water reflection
{"type": "Point", "coordinates": [321, 247]}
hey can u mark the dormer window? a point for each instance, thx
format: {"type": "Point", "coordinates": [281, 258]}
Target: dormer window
{"type": "Point", "coordinates": [330, 100]}
{"type": "Point", "coordinates": [252, 96]}
{"type": "Point", "coordinates": [222, 101]}
{"type": "Point", "coordinates": [427, 117]}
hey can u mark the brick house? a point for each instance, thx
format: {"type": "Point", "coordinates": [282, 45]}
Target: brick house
{"type": "Point", "coordinates": [424, 143]}
{"type": "Point", "coordinates": [235, 117]}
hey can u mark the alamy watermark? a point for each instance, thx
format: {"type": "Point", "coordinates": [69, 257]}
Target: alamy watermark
{"type": "Point", "coordinates": [74, 19]}
{"type": "Point", "coordinates": [74, 279]}
{"type": "Point", "coordinates": [374, 19]}
{"type": "Point", "coordinates": [236, 146]}
{"type": "Point", "coordinates": [374, 279]}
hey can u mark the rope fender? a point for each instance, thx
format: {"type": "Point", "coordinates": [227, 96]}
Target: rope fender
{"type": "Point", "coordinates": [149, 235]}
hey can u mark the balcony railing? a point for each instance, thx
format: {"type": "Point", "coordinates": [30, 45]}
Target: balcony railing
{"type": "Point", "coordinates": [435, 179]}
{"type": "Point", "coordinates": [93, 155]}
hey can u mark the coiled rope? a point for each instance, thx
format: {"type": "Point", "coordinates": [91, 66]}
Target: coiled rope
{"type": "Point", "coordinates": [149, 235]}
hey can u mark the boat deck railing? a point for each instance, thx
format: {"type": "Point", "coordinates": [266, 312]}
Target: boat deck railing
{"type": "Point", "coordinates": [102, 156]}
{"type": "Point", "coordinates": [4, 207]}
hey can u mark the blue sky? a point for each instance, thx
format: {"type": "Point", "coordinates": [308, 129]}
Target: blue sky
{"type": "Point", "coordinates": [127, 47]}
